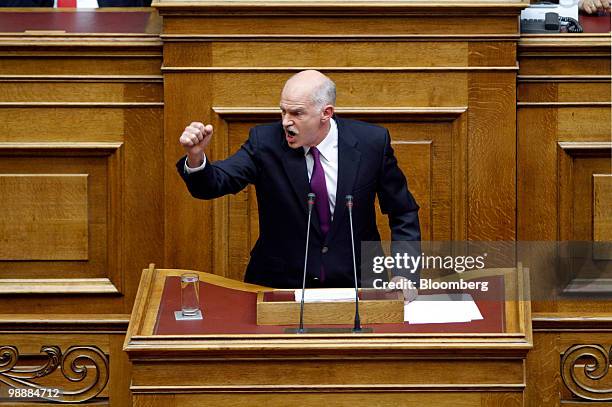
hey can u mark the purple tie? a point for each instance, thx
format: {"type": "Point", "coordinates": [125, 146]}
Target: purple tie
{"type": "Point", "coordinates": [318, 186]}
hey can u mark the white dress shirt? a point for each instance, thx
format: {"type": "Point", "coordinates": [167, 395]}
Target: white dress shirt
{"type": "Point", "coordinates": [329, 161]}
{"type": "Point", "coordinates": [82, 3]}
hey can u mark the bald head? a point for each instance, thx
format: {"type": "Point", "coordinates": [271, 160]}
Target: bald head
{"type": "Point", "coordinates": [313, 85]}
{"type": "Point", "coordinates": [307, 107]}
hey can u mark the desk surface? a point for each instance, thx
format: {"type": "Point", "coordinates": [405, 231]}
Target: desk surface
{"type": "Point", "coordinates": [233, 311]}
{"type": "Point", "coordinates": [136, 21]}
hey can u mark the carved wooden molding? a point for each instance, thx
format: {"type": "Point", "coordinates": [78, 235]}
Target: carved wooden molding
{"type": "Point", "coordinates": [75, 365]}
{"type": "Point", "coordinates": [64, 323]}
{"type": "Point", "coordinates": [57, 286]}
{"type": "Point", "coordinates": [111, 284]}
{"type": "Point", "coordinates": [563, 78]}
{"type": "Point", "coordinates": [577, 147]}
{"type": "Point", "coordinates": [337, 388]}
{"type": "Point", "coordinates": [447, 113]}
{"type": "Point", "coordinates": [338, 37]}
{"type": "Point", "coordinates": [571, 322]}
{"type": "Point", "coordinates": [563, 104]}
{"type": "Point", "coordinates": [317, 7]}
{"type": "Point", "coordinates": [80, 104]}
{"type": "Point", "coordinates": [132, 42]}
{"type": "Point", "coordinates": [83, 78]}
{"type": "Point", "coordinates": [197, 69]}
{"type": "Point", "coordinates": [595, 369]}
{"type": "Point", "coordinates": [564, 45]}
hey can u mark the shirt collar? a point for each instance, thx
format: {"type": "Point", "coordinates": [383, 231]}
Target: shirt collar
{"type": "Point", "coordinates": [329, 143]}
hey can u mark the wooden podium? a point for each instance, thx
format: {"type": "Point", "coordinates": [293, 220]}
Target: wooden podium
{"type": "Point", "coordinates": [227, 359]}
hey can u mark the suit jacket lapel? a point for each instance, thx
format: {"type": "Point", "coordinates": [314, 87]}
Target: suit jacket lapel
{"type": "Point", "coordinates": [348, 164]}
{"type": "Point", "coordinates": [295, 167]}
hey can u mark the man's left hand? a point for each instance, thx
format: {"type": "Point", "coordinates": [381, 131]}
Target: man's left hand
{"type": "Point", "coordinates": [410, 294]}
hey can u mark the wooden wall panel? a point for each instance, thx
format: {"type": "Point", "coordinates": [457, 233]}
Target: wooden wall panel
{"type": "Point", "coordinates": [186, 217]}
{"type": "Point", "coordinates": [492, 150]}
{"type": "Point", "coordinates": [326, 24]}
{"type": "Point", "coordinates": [45, 217]}
{"type": "Point", "coordinates": [98, 91]}
{"type": "Point", "coordinates": [99, 167]}
{"type": "Point", "coordinates": [563, 141]}
{"type": "Point", "coordinates": [602, 207]}
{"type": "Point", "coordinates": [383, 399]}
{"type": "Point", "coordinates": [86, 108]}
{"type": "Point", "coordinates": [31, 335]}
{"type": "Point", "coordinates": [564, 92]}
{"type": "Point", "coordinates": [556, 365]}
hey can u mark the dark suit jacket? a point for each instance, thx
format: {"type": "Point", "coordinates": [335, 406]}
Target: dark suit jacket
{"type": "Point", "coordinates": [26, 3]}
{"type": "Point", "coordinates": [366, 168]}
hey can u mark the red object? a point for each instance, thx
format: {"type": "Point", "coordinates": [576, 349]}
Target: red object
{"type": "Point", "coordinates": [596, 23]}
{"type": "Point", "coordinates": [79, 22]}
{"type": "Point", "coordinates": [228, 311]}
{"type": "Point", "coordinates": [67, 3]}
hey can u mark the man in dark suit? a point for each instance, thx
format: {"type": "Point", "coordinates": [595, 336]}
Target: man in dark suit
{"type": "Point", "coordinates": [310, 150]}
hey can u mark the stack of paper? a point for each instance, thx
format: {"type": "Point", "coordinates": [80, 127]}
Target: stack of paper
{"type": "Point", "coordinates": [441, 308]}
{"type": "Point", "coordinates": [326, 294]}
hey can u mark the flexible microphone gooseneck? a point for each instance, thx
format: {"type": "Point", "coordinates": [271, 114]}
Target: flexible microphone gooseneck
{"type": "Point", "coordinates": [349, 205]}
{"type": "Point", "coordinates": [311, 202]}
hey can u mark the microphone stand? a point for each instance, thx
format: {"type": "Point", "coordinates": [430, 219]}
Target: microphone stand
{"type": "Point", "coordinates": [311, 201]}
{"type": "Point", "coordinates": [314, 330]}
{"type": "Point", "coordinates": [349, 205]}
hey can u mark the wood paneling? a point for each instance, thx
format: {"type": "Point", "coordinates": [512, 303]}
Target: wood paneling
{"type": "Point", "coordinates": [383, 399]}
{"type": "Point", "coordinates": [602, 207]}
{"type": "Point", "coordinates": [327, 23]}
{"type": "Point", "coordinates": [85, 108]}
{"type": "Point", "coordinates": [491, 150]}
{"type": "Point", "coordinates": [357, 54]}
{"type": "Point", "coordinates": [45, 217]}
{"type": "Point", "coordinates": [31, 90]}
{"type": "Point", "coordinates": [563, 164]}
{"type": "Point", "coordinates": [578, 163]}
{"type": "Point", "coordinates": [30, 333]}
{"type": "Point", "coordinates": [99, 169]}
{"type": "Point", "coordinates": [563, 92]}
{"type": "Point", "coordinates": [548, 383]}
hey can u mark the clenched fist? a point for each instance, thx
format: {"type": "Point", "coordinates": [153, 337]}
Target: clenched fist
{"type": "Point", "coordinates": [195, 139]}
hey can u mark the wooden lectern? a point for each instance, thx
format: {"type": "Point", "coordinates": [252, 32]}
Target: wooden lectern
{"type": "Point", "coordinates": [226, 359]}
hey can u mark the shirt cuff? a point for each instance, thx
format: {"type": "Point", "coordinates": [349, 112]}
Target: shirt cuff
{"type": "Point", "coordinates": [190, 170]}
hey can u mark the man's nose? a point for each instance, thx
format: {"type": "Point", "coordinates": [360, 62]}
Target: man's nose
{"type": "Point", "coordinates": [287, 121]}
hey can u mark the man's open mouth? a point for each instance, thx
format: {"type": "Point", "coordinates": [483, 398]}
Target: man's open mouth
{"type": "Point", "coordinates": [291, 133]}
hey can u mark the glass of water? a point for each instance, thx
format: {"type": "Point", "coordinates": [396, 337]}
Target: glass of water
{"type": "Point", "coordinates": [190, 294]}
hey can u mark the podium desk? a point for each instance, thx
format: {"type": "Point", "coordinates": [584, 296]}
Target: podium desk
{"type": "Point", "coordinates": [227, 359]}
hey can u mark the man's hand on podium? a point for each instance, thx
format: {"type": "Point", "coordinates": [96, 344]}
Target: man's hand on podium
{"type": "Point", "coordinates": [410, 294]}
{"type": "Point", "coordinates": [195, 139]}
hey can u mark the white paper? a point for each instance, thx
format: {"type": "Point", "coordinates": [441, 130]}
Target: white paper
{"type": "Point", "coordinates": [326, 294]}
{"type": "Point", "coordinates": [441, 308]}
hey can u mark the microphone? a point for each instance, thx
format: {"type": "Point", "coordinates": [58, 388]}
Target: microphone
{"type": "Point", "coordinates": [311, 202]}
{"type": "Point", "coordinates": [349, 205]}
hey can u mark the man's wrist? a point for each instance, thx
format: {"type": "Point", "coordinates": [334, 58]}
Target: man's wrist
{"type": "Point", "coordinates": [195, 161]}
{"type": "Point", "coordinates": [188, 165]}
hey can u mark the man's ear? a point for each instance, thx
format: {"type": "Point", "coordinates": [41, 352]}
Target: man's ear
{"type": "Point", "coordinates": [327, 113]}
